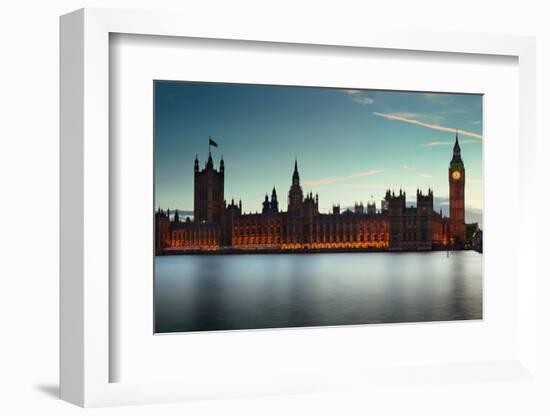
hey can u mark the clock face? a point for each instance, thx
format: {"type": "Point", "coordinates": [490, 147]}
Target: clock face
{"type": "Point", "coordinates": [456, 175]}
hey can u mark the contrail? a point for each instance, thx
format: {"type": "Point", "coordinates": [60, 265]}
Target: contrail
{"type": "Point", "coordinates": [448, 143]}
{"type": "Point", "coordinates": [430, 126]}
{"type": "Point", "coordinates": [326, 181]}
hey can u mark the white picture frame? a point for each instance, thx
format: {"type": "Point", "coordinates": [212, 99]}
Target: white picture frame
{"type": "Point", "coordinates": [85, 216]}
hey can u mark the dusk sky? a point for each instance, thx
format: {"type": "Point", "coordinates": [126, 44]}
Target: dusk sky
{"type": "Point", "coordinates": [351, 145]}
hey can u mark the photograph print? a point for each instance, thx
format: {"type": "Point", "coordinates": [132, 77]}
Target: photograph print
{"type": "Point", "coordinates": [288, 206]}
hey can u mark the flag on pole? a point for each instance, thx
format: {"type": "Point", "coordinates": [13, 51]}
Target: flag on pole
{"type": "Point", "coordinates": [212, 142]}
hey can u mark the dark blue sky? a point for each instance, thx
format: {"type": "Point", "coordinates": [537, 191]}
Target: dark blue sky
{"type": "Point", "coordinates": [350, 144]}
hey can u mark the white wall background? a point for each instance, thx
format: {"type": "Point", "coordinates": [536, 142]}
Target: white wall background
{"type": "Point", "coordinates": [29, 206]}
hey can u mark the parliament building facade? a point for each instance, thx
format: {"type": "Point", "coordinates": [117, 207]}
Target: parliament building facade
{"type": "Point", "coordinates": [218, 226]}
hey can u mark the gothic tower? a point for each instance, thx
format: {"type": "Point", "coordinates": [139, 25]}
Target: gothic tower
{"type": "Point", "coordinates": [274, 202]}
{"type": "Point", "coordinates": [209, 198]}
{"type": "Point", "coordinates": [266, 206]}
{"type": "Point", "coordinates": [457, 180]}
{"type": "Point", "coordinates": [295, 195]}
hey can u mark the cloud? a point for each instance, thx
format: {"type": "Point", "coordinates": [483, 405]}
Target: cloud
{"type": "Point", "coordinates": [411, 115]}
{"type": "Point", "coordinates": [438, 97]}
{"type": "Point", "coordinates": [326, 181]}
{"type": "Point", "coordinates": [473, 214]}
{"type": "Point", "coordinates": [363, 100]}
{"type": "Point", "coordinates": [426, 175]}
{"type": "Point", "coordinates": [430, 144]}
{"type": "Point", "coordinates": [359, 97]}
{"type": "Point", "coordinates": [437, 117]}
{"type": "Point", "coordinates": [474, 181]}
{"type": "Point", "coordinates": [427, 125]}
{"type": "Point", "coordinates": [183, 213]}
{"type": "Point", "coordinates": [407, 167]}
{"type": "Point", "coordinates": [447, 143]}
{"type": "Point", "coordinates": [364, 185]}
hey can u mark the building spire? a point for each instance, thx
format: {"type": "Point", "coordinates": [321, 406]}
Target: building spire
{"type": "Point", "coordinates": [456, 151]}
{"type": "Point", "coordinates": [295, 175]}
{"type": "Point", "coordinates": [210, 162]}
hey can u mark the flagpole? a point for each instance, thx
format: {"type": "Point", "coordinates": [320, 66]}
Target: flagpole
{"type": "Point", "coordinates": [209, 139]}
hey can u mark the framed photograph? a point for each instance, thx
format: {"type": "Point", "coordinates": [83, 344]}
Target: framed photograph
{"type": "Point", "coordinates": [331, 242]}
{"type": "Point", "coordinates": [271, 213]}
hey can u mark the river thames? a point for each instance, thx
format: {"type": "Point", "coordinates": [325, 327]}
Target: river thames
{"type": "Point", "coordinates": [249, 291]}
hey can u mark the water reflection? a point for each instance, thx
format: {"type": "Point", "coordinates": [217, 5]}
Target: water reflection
{"type": "Point", "coordinates": [200, 293]}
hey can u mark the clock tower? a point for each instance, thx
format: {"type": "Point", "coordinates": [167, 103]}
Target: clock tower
{"type": "Point", "coordinates": [457, 179]}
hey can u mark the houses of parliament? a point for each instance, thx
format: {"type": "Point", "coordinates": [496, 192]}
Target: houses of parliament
{"type": "Point", "coordinates": [219, 226]}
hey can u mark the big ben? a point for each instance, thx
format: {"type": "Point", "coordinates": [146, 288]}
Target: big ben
{"type": "Point", "coordinates": [457, 180]}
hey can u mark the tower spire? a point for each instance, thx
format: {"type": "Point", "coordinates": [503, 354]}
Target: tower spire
{"type": "Point", "coordinates": [210, 162]}
{"type": "Point", "coordinates": [296, 175]}
{"type": "Point", "coordinates": [274, 204]}
{"type": "Point", "coordinates": [457, 158]}
{"type": "Point", "coordinates": [295, 195]}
